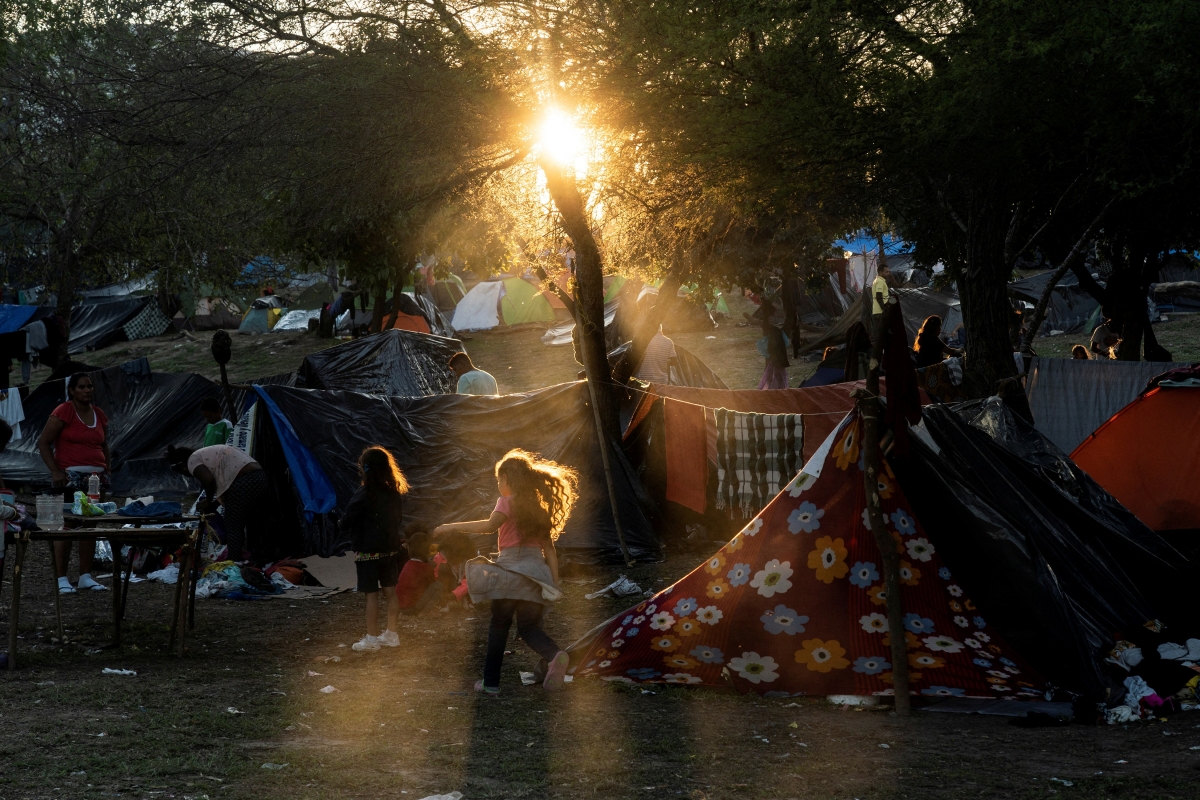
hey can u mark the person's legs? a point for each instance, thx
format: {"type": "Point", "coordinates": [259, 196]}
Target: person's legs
{"type": "Point", "coordinates": [529, 628]}
{"type": "Point", "coordinates": [393, 607]}
{"type": "Point", "coordinates": [246, 494]}
{"type": "Point", "coordinates": [502, 614]}
{"type": "Point", "coordinates": [373, 613]}
{"type": "Point", "coordinates": [62, 558]}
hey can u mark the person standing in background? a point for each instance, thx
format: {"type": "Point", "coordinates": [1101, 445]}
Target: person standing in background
{"type": "Point", "coordinates": [74, 446]}
{"type": "Point", "coordinates": [219, 430]}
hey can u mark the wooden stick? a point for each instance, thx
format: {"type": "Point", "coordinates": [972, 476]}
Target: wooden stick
{"type": "Point", "coordinates": [14, 615]}
{"type": "Point", "coordinates": [869, 408]}
{"type": "Point", "coordinates": [602, 440]}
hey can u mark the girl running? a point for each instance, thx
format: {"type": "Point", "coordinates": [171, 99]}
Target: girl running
{"type": "Point", "coordinates": [536, 497]}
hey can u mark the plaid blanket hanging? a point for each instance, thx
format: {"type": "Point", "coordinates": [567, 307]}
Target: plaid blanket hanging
{"type": "Point", "coordinates": [757, 454]}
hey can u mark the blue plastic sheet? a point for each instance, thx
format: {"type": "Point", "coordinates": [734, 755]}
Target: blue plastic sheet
{"type": "Point", "coordinates": [13, 318]}
{"type": "Point", "coordinates": [312, 484]}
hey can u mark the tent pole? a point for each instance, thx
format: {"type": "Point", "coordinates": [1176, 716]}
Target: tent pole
{"type": "Point", "coordinates": [869, 408]}
{"type": "Point", "coordinates": [602, 440]}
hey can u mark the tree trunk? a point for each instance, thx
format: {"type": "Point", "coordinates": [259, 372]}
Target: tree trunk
{"type": "Point", "coordinates": [67, 281]}
{"type": "Point", "coordinates": [589, 288]}
{"type": "Point", "coordinates": [377, 308]}
{"type": "Point", "coordinates": [983, 291]}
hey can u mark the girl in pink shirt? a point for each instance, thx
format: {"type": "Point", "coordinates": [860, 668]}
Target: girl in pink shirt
{"type": "Point", "coordinates": [536, 498]}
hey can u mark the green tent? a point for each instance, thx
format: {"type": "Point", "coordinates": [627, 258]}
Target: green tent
{"type": "Point", "coordinates": [523, 302]}
{"type": "Point", "coordinates": [615, 285]}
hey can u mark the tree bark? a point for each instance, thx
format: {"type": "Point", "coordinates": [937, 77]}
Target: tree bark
{"type": "Point", "coordinates": [983, 291]}
{"type": "Point", "coordinates": [377, 307]}
{"type": "Point", "coordinates": [67, 282]}
{"type": "Point", "coordinates": [589, 288]}
{"type": "Point", "coordinates": [869, 408]}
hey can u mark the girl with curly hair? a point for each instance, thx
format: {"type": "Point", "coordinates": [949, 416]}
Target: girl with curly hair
{"type": "Point", "coordinates": [536, 498]}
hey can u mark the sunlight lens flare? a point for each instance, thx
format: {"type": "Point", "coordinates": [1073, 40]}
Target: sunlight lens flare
{"type": "Point", "coordinates": [560, 139]}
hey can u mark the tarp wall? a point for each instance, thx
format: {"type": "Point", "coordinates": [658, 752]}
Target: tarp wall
{"type": "Point", "coordinates": [448, 445]}
{"type": "Point", "coordinates": [146, 412]}
{"type": "Point", "coordinates": [1070, 397]}
{"type": "Point", "coordinates": [395, 362]}
{"type": "Point", "coordinates": [97, 324]}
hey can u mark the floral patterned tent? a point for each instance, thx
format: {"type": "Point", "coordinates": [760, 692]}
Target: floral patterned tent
{"type": "Point", "coordinates": [795, 604]}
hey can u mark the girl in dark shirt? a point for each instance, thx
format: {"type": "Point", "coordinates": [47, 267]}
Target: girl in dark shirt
{"type": "Point", "coordinates": [373, 519]}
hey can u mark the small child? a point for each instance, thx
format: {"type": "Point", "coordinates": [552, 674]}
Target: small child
{"type": "Point", "coordinates": [536, 497]}
{"type": "Point", "coordinates": [417, 586]}
{"type": "Point", "coordinates": [449, 567]}
{"type": "Point", "coordinates": [373, 519]}
{"type": "Point", "coordinates": [218, 429]}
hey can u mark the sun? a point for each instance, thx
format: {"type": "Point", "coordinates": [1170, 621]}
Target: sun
{"type": "Point", "coordinates": [560, 138]}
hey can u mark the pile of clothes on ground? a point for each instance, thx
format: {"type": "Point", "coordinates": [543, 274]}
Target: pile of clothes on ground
{"type": "Point", "coordinates": [1157, 677]}
{"type": "Point", "coordinates": [232, 581]}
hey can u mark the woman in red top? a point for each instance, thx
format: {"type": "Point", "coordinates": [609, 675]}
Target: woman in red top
{"type": "Point", "coordinates": [74, 446]}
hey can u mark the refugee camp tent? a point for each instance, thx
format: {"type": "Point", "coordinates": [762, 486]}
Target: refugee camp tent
{"type": "Point", "coordinates": [150, 321]}
{"type": "Point", "coordinates": [1070, 306]}
{"type": "Point", "coordinates": [1016, 569]}
{"type": "Point", "coordinates": [395, 362]}
{"type": "Point", "coordinates": [95, 325]}
{"type": "Point", "coordinates": [296, 320]}
{"type": "Point", "coordinates": [522, 302]}
{"type": "Point", "coordinates": [146, 412]}
{"type": "Point", "coordinates": [794, 605]}
{"type": "Point", "coordinates": [1055, 564]}
{"type": "Point", "coordinates": [479, 310]}
{"type": "Point", "coordinates": [216, 313]}
{"type": "Point", "coordinates": [1070, 398]}
{"type": "Point", "coordinates": [264, 313]}
{"type": "Point", "coordinates": [420, 312]}
{"type": "Point", "coordinates": [1148, 455]}
{"type": "Point", "coordinates": [513, 300]}
{"type": "Point", "coordinates": [447, 446]}
{"type": "Point", "coordinates": [448, 293]}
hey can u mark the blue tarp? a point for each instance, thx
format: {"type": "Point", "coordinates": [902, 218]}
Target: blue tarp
{"type": "Point", "coordinates": [313, 485]}
{"type": "Point", "coordinates": [13, 318]}
{"type": "Point", "coordinates": [824, 376]}
{"type": "Point", "coordinates": [863, 242]}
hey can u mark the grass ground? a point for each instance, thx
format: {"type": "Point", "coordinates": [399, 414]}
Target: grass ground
{"type": "Point", "coordinates": [1180, 335]}
{"type": "Point", "coordinates": [516, 357]}
{"type": "Point", "coordinates": [242, 715]}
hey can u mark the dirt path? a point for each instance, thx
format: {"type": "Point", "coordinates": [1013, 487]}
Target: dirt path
{"type": "Point", "coordinates": [403, 723]}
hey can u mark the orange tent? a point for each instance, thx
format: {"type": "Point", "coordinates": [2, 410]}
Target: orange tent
{"type": "Point", "coordinates": [409, 322]}
{"type": "Point", "coordinates": [1147, 457]}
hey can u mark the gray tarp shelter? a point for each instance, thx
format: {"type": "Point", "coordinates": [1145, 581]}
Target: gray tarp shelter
{"type": "Point", "coordinates": [1070, 398]}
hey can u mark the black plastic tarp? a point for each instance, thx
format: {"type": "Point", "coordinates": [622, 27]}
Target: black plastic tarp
{"type": "Point", "coordinates": [689, 370]}
{"type": "Point", "coordinates": [98, 324]}
{"type": "Point", "coordinates": [395, 362]}
{"type": "Point", "coordinates": [422, 306]}
{"type": "Point", "coordinates": [1059, 566]}
{"type": "Point", "coordinates": [448, 445]}
{"type": "Point", "coordinates": [1070, 305]}
{"type": "Point", "coordinates": [146, 412]}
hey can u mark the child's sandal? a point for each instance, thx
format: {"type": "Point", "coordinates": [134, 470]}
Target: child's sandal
{"type": "Point", "coordinates": [487, 691]}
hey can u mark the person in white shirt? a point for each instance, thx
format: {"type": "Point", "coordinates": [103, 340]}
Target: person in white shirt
{"type": "Point", "coordinates": [657, 360]}
{"type": "Point", "coordinates": [471, 379]}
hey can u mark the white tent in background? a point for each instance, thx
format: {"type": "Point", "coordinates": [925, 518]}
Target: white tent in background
{"type": "Point", "coordinates": [479, 310]}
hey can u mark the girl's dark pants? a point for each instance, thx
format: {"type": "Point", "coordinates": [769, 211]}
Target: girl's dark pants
{"type": "Point", "coordinates": [529, 628]}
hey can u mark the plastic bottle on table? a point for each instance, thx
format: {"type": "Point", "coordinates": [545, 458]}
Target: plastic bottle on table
{"type": "Point", "coordinates": [93, 491]}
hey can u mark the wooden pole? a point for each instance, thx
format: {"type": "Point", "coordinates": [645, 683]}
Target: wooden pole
{"type": "Point", "coordinates": [602, 440]}
{"type": "Point", "coordinates": [870, 409]}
